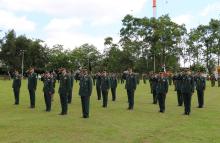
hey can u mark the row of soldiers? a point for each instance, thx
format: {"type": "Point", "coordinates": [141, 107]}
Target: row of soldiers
{"type": "Point", "coordinates": [104, 83]}
{"type": "Point", "coordinates": [185, 84]}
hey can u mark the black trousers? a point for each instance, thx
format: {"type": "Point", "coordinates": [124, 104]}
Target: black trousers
{"type": "Point", "coordinates": [47, 98]}
{"type": "Point", "coordinates": [187, 102]}
{"type": "Point", "coordinates": [130, 94]}
{"type": "Point", "coordinates": [98, 90]}
{"type": "Point", "coordinates": [105, 98]}
{"type": "Point", "coordinates": [113, 90]}
{"type": "Point", "coordinates": [161, 99]}
{"type": "Point", "coordinates": [200, 95]}
{"type": "Point", "coordinates": [179, 98]}
{"type": "Point", "coordinates": [16, 95]}
{"type": "Point", "coordinates": [32, 97]}
{"type": "Point", "coordinates": [85, 105]}
{"type": "Point", "coordinates": [63, 101]}
{"type": "Point", "coordinates": [70, 95]}
{"type": "Point", "coordinates": [154, 92]}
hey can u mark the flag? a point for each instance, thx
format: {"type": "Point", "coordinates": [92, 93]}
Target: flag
{"type": "Point", "coordinates": [154, 3]}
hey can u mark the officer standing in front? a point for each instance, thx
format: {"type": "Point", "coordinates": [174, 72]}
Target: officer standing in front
{"type": "Point", "coordinates": [162, 89]}
{"type": "Point", "coordinates": [98, 85]}
{"type": "Point", "coordinates": [187, 90]}
{"type": "Point", "coordinates": [32, 85]}
{"type": "Point", "coordinates": [212, 78]}
{"type": "Point", "coordinates": [105, 86]}
{"type": "Point", "coordinates": [114, 84]}
{"type": "Point", "coordinates": [70, 93]}
{"type": "Point", "coordinates": [85, 91]}
{"type": "Point", "coordinates": [178, 82]}
{"type": "Point", "coordinates": [153, 81]}
{"type": "Point", "coordinates": [130, 86]}
{"type": "Point", "coordinates": [16, 85]}
{"type": "Point", "coordinates": [48, 90]}
{"type": "Point", "coordinates": [200, 87]}
{"type": "Point", "coordinates": [64, 88]}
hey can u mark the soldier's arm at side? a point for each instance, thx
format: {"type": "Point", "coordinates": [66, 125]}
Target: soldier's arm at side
{"type": "Point", "coordinates": [135, 83]}
{"type": "Point", "coordinates": [167, 86]}
{"type": "Point", "coordinates": [90, 86]}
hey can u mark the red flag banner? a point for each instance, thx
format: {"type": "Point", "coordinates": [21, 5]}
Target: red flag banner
{"type": "Point", "coordinates": [154, 3]}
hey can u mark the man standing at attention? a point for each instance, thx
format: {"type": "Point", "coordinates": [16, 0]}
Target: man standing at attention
{"type": "Point", "coordinates": [32, 85]}
{"type": "Point", "coordinates": [65, 86]}
{"type": "Point", "coordinates": [16, 86]}
{"type": "Point", "coordinates": [130, 86]}
{"type": "Point", "coordinates": [85, 91]}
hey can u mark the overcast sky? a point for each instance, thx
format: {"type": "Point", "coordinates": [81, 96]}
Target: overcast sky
{"type": "Point", "coordinates": [75, 22]}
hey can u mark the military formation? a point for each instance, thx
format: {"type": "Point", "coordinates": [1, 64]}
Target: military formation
{"type": "Point", "coordinates": [185, 84]}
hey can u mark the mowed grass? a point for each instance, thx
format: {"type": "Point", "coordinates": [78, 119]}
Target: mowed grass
{"type": "Point", "coordinates": [19, 124]}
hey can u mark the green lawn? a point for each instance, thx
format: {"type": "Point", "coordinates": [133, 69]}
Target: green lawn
{"type": "Point", "coordinates": [19, 124]}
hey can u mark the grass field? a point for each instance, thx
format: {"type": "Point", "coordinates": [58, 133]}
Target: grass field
{"type": "Point", "coordinates": [19, 124]}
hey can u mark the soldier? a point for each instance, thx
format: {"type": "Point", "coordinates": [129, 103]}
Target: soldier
{"type": "Point", "coordinates": [178, 82]}
{"type": "Point", "coordinates": [174, 80]}
{"type": "Point", "coordinates": [130, 86]}
{"type": "Point", "coordinates": [16, 86]}
{"type": "Point", "coordinates": [54, 78]}
{"type": "Point", "coordinates": [153, 81]}
{"type": "Point", "coordinates": [65, 85]}
{"type": "Point", "coordinates": [151, 75]}
{"type": "Point", "coordinates": [32, 85]}
{"type": "Point", "coordinates": [137, 78]}
{"type": "Point", "coordinates": [187, 90]}
{"type": "Point", "coordinates": [94, 79]}
{"type": "Point", "coordinates": [48, 90]}
{"type": "Point", "coordinates": [200, 87]}
{"type": "Point", "coordinates": [113, 80]}
{"type": "Point", "coordinates": [162, 89]}
{"type": "Point", "coordinates": [170, 79]}
{"type": "Point", "coordinates": [212, 78]}
{"type": "Point", "coordinates": [85, 91]}
{"type": "Point", "coordinates": [105, 85]}
{"type": "Point", "coordinates": [70, 93]}
{"type": "Point", "coordinates": [98, 85]}
{"type": "Point", "coordinates": [144, 78]}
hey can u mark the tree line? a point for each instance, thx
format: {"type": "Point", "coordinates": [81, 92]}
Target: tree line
{"type": "Point", "coordinates": [146, 44]}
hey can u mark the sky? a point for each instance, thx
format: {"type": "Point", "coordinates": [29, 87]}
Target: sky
{"type": "Point", "coordinates": [72, 23]}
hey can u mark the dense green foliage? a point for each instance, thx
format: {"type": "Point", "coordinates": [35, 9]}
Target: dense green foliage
{"type": "Point", "coordinates": [145, 44]}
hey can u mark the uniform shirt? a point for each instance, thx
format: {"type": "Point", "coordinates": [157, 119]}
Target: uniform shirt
{"type": "Point", "coordinates": [85, 86]}
{"type": "Point", "coordinates": [16, 82]}
{"type": "Point", "coordinates": [98, 80]}
{"type": "Point", "coordinates": [187, 84]}
{"type": "Point", "coordinates": [48, 85]}
{"type": "Point", "coordinates": [178, 82]}
{"type": "Point", "coordinates": [131, 82]}
{"type": "Point", "coordinates": [105, 83]}
{"type": "Point", "coordinates": [32, 81]}
{"type": "Point", "coordinates": [162, 85]}
{"type": "Point", "coordinates": [200, 83]}
{"type": "Point", "coordinates": [153, 82]}
{"type": "Point", "coordinates": [65, 84]}
{"type": "Point", "coordinates": [113, 82]}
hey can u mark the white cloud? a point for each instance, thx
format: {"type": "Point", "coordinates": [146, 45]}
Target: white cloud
{"type": "Point", "coordinates": [183, 19]}
{"type": "Point", "coordinates": [20, 23]}
{"type": "Point", "coordinates": [93, 10]}
{"type": "Point", "coordinates": [70, 16]}
{"type": "Point", "coordinates": [70, 39]}
{"type": "Point", "coordinates": [211, 8]}
{"type": "Point", "coordinates": [63, 24]}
